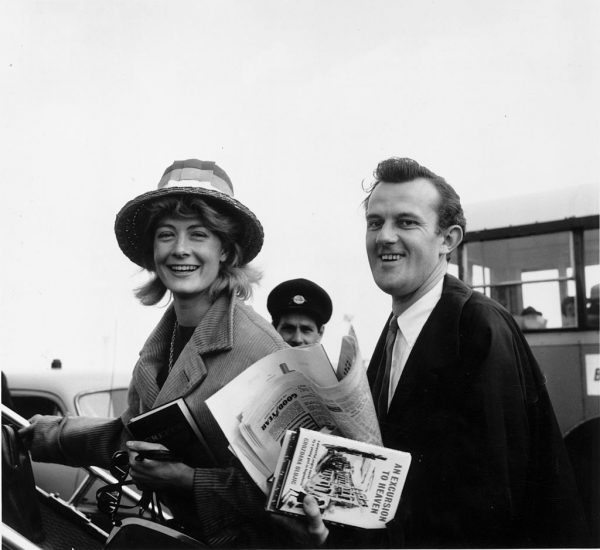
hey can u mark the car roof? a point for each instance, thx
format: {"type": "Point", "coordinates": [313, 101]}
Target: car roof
{"type": "Point", "coordinates": [64, 383]}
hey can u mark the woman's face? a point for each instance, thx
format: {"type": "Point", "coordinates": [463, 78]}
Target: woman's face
{"type": "Point", "coordinates": [187, 256]}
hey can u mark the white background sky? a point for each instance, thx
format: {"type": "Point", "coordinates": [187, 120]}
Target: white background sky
{"type": "Point", "coordinates": [297, 101]}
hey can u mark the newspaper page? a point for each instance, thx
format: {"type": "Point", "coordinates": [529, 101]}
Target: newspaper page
{"type": "Point", "coordinates": [293, 402]}
{"type": "Point", "coordinates": [346, 408]}
{"type": "Point", "coordinates": [288, 389]}
{"type": "Point", "coordinates": [354, 483]}
{"type": "Point", "coordinates": [250, 387]}
{"type": "Point", "coordinates": [350, 401]}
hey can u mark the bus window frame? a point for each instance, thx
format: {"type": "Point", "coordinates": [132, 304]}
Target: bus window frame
{"type": "Point", "coordinates": [576, 226]}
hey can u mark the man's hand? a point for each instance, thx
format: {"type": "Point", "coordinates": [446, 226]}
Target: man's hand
{"type": "Point", "coordinates": [316, 528]}
{"type": "Point", "coordinates": [308, 532]}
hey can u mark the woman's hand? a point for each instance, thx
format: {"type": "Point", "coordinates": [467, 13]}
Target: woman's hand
{"type": "Point", "coordinates": [26, 433]}
{"type": "Point", "coordinates": [157, 474]}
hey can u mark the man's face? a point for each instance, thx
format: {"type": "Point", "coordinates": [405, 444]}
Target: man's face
{"type": "Point", "coordinates": [298, 329]}
{"type": "Point", "coordinates": [404, 247]}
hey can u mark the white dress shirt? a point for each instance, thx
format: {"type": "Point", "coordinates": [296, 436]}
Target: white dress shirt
{"type": "Point", "coordinates": [410, 324]}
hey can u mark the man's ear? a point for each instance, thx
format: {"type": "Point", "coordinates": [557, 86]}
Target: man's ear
{"type": "Point", "coordinates": [321, 330]}
{"type": "Point", "coordinates": [453, 236]}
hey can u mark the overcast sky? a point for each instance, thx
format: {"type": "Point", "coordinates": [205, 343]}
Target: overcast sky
{"type": "Point", "coordinates": [297, 101]}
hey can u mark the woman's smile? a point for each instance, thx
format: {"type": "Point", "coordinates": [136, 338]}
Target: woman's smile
{"type": "Point", "coordinates": [187, 256]}
{"type": "Point", "coordinates": [183, 269]}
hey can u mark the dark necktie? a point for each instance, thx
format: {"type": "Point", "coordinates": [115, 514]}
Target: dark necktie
{"type": "Point", "coordinates": [382, 404]}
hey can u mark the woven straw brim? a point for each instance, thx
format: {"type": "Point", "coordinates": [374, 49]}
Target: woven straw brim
{"type": "Point", "coordinates": [130, 221]}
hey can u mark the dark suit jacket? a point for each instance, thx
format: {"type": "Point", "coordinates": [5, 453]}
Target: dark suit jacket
{"type": "Point", "coordinates": [489, 468]}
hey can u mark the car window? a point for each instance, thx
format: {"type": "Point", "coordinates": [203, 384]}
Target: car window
{"type": "Point", "coordinates": [28, 405]}
{"type": "Point", "coordinates": [106, 403]}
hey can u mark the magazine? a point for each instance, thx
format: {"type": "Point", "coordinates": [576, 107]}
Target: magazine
{"type": "Point", "coordinates": [354, 483]}
{"type": "Point", "coordinates": [289, 389]}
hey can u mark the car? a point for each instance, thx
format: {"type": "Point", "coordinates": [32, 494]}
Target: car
{"type": "Point", "coordinates": [57, 391]}
{"type": "Point", "coordinates": [33, 519]}
{"type": "Point", "coordinates": [32, 516]}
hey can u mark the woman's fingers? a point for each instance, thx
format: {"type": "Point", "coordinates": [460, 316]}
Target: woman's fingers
{"type": "Point", "coordinates": [144, 446]}
{"type": "Point", "coordinates": [135, 447]}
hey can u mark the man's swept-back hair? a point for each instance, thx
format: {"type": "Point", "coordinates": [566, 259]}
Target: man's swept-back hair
{"type": "Point", "coordinates": [232, 277]}
{"type": "Point", "coordinates": [402, 170]}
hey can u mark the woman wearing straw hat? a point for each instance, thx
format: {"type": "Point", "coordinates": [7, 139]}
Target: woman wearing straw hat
{"type": "Point", "coordinates": [196, 240]}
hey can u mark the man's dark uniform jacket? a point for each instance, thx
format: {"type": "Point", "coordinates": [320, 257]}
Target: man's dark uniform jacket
{"type": "Point", "coordinates": [489, 468]}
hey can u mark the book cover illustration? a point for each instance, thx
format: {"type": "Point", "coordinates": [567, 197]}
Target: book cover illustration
{"type": "Point", "coordinates": [354, 483]}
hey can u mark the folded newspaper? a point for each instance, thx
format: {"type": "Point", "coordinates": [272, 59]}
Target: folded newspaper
{"type": "Point", "coordinates": [353, 483]}
{"type": "Point", "coordinates": [289, 389]}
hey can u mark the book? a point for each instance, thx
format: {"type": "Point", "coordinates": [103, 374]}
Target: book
{"type": "Point", "coordinates": [354, 483]}
{"type": "Point", "coordinates": [292, 388]}
{"type": "Point", "coordinates": [173, 425]}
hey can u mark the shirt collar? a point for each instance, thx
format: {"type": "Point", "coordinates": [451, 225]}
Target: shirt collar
{"type": "Point", "coordinates": [412, 320]}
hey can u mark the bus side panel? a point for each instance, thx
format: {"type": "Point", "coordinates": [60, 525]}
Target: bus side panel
{"type": "Point", "coordinates": [571, 385]}
{"type": "Point", "coordinates": [591, 380]}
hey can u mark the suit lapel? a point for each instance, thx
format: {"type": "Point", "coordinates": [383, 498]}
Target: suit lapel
{"type": "Point", "coordinates": [436, 349]}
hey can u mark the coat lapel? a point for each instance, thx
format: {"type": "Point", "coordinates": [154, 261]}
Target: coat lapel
{"type": "Point", "coordinates": [152, 358]}
{"type": "Point", "coordinates": [436, 348]}
{"type": "Point", "coordinates": [213, 334]}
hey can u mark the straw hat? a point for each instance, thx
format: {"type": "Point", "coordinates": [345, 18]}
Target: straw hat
{"type": "Point", "coordinates": [203, 179]}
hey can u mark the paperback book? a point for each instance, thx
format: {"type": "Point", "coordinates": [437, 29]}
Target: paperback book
{"type": "Point", "coordinates": [354, 483]}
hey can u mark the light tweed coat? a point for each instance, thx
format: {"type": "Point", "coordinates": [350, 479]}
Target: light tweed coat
{"type": "Point", "coordinates": [230, 337]}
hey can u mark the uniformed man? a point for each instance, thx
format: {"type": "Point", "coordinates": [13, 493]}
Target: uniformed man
{"type": "Point", "coordinates": [299, 310]}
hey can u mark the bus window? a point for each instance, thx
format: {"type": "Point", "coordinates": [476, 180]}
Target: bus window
{"type": "Point", "coordinates": [592, 276]}
{"type": "Point", "coordinates": [531, 276]}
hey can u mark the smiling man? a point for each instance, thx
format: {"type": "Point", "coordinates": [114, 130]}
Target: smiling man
{"type": "Point", "coordinates": [455, 384]}
{"type": "Point", "coordinates": [299, 310]}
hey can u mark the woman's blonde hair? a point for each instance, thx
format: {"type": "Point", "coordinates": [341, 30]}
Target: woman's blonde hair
{"type": "Point", "coordinates": [232, 278]}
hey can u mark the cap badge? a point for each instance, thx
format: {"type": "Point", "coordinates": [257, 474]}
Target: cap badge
{"type": "Point", "coordinates": [299, 300]}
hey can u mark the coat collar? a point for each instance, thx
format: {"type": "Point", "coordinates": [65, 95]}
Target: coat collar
{"type": "Point", "coordinates": [213, 334]}
{"type": "Point", "coordinates": [215, 331]}
{"type": "Point", "coordinates": [436, 348]}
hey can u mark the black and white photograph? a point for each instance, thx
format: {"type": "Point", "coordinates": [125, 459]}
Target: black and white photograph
{"type": "Point", "coordinates": [407, 189]}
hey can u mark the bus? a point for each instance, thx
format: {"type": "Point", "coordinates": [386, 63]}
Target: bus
{"type": "Point", "coordinates": [538, 255]}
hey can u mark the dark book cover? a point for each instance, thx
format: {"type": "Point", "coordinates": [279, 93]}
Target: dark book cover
{"type": "Point", "coordinates": [173, 425]}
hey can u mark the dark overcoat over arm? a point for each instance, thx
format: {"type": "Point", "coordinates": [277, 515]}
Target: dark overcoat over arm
{"type": "Point", "coordinates": [489, 466]}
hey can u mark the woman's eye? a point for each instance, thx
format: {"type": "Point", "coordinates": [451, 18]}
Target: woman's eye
{"type": "Point", "coordinates": [199, 235]}
{"type": "Point", "coordinates": [163, 234]}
